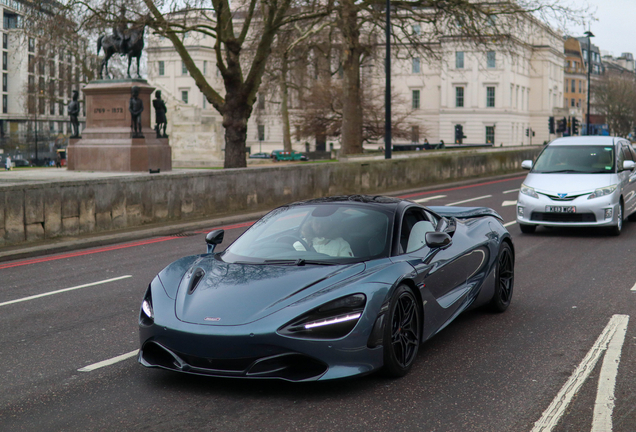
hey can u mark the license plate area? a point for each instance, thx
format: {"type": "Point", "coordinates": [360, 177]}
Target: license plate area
{"type": "Point", "coordinates": [560, 209]}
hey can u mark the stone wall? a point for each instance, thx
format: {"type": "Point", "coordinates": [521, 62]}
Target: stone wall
{"type": "Point", "coordinates": [38, 211]}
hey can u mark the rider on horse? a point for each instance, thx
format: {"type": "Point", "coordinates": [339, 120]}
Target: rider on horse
{"type": "Point", "coordinates": [120, 31]}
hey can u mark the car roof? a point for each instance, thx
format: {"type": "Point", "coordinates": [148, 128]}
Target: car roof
{"type": "Point", "coordinates": [586, 140]}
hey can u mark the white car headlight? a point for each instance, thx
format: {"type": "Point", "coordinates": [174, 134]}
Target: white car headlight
{"type": "Point", "coordinates": [527, 190]}
{"type": "Point", "coordinates": [603, 191]}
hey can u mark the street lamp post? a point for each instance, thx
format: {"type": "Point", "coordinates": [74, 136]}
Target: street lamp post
{"type": "Point", "coordinates": [589, 35]}
{"type": "Point", "coordinates": [387, 91]}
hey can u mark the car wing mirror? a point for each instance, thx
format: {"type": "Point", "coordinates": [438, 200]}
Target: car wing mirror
{"type": "Point", "coordinates": [526, 164]}
{"type": "Point", "coordinates": [437, 239]}
{"type": "Point", "coordinates": [629, 165]}
{"type": "Point", "coordinates": [214, 238]}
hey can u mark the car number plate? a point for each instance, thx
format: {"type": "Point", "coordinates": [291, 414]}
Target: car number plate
{"type": "Point", "coordinates": [560, 209]}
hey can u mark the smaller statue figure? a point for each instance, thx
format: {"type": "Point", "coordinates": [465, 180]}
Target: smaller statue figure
{"type": "Point", "coordinates": [160, 115]}
{"type": "Point", "coordinates": [73, 112]}
{"type": "Point", "coordinates": [136, 107]}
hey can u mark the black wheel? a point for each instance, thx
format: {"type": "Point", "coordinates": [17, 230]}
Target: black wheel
{"type": "Point", "coordinates": [527, 229]}
{"type": "Point", "coordinates": [616, 229]}
{"type": "Point", "coordinates": [505, 279]}
{"type": "Point", "coordinates": [402, 332]}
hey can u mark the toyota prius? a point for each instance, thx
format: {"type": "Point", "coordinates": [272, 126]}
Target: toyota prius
{"type": "Point", "coordinates": [585, 181]}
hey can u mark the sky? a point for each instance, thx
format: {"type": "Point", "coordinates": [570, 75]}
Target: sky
{"type": "Point", "coordinates": [614, 25]}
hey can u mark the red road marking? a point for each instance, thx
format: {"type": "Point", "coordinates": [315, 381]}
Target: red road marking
{"type": "Point", "coordinates": [228, 227]}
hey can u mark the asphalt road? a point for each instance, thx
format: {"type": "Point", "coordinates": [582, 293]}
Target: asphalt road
{"type": "Point", "coordinates": [485, 372]}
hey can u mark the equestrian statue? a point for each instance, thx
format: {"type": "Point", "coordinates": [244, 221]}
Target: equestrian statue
{"type": "Point", "coordinates": [124, 40]}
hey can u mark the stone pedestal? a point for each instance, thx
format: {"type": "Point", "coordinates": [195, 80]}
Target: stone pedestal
{"type": "Point", "coordinates": [106, 143]}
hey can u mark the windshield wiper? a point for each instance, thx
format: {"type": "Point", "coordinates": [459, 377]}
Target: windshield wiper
{"type": "Point", "coordinates": [564, 171]}
{"type": "Point", "coordinates": [298, 262]}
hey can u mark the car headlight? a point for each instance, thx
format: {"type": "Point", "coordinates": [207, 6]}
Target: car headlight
{"type": "Point", "coordinates": [603, 191]}
{"type": "Point", "coordinates": [147, 314]}
{"type": "Point", "coordinates": [527, 190]}
{"type": "Point", "coordinates": [332, 320]}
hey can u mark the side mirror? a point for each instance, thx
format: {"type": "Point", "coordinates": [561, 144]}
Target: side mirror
{"type": "Point", "coordinates": [437, 239]}
{"type": "Point", "coordinates": [629, 165]}
{"type": "Point", "coordinates": [526, 164]}
{"type": "Point", "coordinates": [214, 238]}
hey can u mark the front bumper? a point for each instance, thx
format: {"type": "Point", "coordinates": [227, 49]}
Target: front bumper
{"type": "Point", "coordinates": [599, 212]}
{"type": "Point", "coordinates": [256, 350]}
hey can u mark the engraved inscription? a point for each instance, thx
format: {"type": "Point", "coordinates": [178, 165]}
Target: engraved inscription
{"type": "Point", "coordinates": [102, 112]}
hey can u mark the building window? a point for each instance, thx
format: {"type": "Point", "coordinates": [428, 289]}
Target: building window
{"type": "Point", "coordinates": [572, 102]}
{"type": "Point", "coordinates": [5, 40]}
{"type": "Point", "coordinates": [416, 99]}
{"type": "Point", "coordinates": [41, 106]}
{"type": "Point", "coordinates": [578, 105]}
{"type": "Point", "coordinates": [5, 104]}
{"type": "Point", "coordinates": [31, 64]}
{"type": "Point", "coordinates": [417, 29]}
{"type": "Point", "coordinates": [491, 60]}
{"type": "Point", "coordinates": [566, 84]}
{"type": "Point", "coordinates": [205, 67]}
{"type": "Point", "coordinates": [261, 132]}
{"type": "Point", "coordinates": [416, 65]}
{"type": "Point", "coordinates": [459, 59]}
{"type": "Point", "coordinates": [52, 108]}
{"type": "Point", "coordinates": [61, 108]}
{"type": "Point", "coordinates": [261, 101]}
{"type": "Point", "coordinates": [490, 97]}
{"type": "Point", "coordinates": [184, 69]}
{"type": "Point", "coordinates": [31, 44]}
{"type": "Point", "coordinates": [5, 82]}
{"type": "Point", "coordinates": [205, 102]}
{"type": "Point", "coordinates": [184, 96]}
{"type": "Point", "coordinates": [490, 134]}
{"type": "Point", "coordinates": [5, 61]}
{"type": "Point", "coordinates": [580, 86]}
{"type": "Point", "coordinates": [459, 97]}
{"type": "Point", "coordinates": [573, 84]}
{"type": "Point", "coordinates": [162, 68]}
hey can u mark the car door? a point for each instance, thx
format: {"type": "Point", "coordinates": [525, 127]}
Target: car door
{"type": "Point", "coordinates": [442, 272]}
{"type": "Point", "coordinates": [629, 181]}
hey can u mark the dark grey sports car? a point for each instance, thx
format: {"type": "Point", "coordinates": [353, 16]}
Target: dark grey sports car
{"type": "Point", "coordinates": [325, 289]}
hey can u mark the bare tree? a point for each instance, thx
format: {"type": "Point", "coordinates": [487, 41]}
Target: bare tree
{"type": "Point", "coordinates": [614, 96]}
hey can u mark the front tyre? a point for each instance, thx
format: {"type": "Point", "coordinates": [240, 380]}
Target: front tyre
{"type": "Point", "coordinates": [616, 229]}
{"type": "Point", "coordinates": [505, 279]}
{"type": "Point", "coordinates": [402, 332]}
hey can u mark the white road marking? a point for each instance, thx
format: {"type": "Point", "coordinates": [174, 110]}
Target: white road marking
{"type": "Point", "coordinates": [507, 224]}
{"type": "Point", "coordinates": [469, 200]}
{"type": "Point", "coordinates": [604, 405]}
{"type": "Point", "coordinates": [64, 290]}
{"type": "Point", "coordinates": [511, 191]}
{"type": "Point", "coordinates": [508, 203]}
{"type": "Point", "coordinates": [108, 362]}
{"type": "Point", "coordinates": [634, 288]}
{"type": "Point", "coordinates": [421, 200]}
{"type": "Point", "coordinates": [554, 412]}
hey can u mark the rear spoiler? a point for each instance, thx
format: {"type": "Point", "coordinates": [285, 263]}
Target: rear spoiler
{"type": "Point", "coordinates": [464, 212]}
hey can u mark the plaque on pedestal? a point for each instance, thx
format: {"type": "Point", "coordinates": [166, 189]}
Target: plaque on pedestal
{"type": "Point", "coordinates": [107, 142]}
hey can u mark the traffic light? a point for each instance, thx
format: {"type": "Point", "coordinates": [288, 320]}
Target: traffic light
{"type": "Point", "coordinates": [575, 126]}
{"type": "Point", "coordinates": [562, 125]}
{"type": "Point", "coordinates": [459, 134]}
{"type": "Point", "coordinates": [551, 125]}
{"type": "Point", "coordinates": [527, 132]}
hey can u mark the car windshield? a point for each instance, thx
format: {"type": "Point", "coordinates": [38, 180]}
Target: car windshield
{"type": "Point", "coordinates": [588, 159]}
{"type": "Point", "coordinates": [326, 233]}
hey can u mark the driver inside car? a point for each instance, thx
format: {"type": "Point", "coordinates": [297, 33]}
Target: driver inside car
{"type": "Point", "coordinates": [318, 233]}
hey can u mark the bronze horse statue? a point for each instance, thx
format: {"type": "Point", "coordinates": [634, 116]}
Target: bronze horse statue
{"type": "Point", "coordinates": [131, 46]}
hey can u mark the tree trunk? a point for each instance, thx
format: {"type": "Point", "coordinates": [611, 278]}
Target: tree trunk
{"type": "Point", "coordinates": [235, 117]}
{"type": "Point", "coordinates": [284, 89]}
{"type": "Point", "coordinates": [351, 104]}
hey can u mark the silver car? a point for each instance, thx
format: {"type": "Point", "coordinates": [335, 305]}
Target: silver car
{"type": "Point", "coordinates": [585, 181]}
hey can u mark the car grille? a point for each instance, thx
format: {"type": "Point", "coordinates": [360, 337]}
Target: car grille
{"type": "Point", "coordinates": [288, 366]}
{"type": "Point", "coordinates": [557, 198]}
{"type": "Point", "coordinates": [562, 217]}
